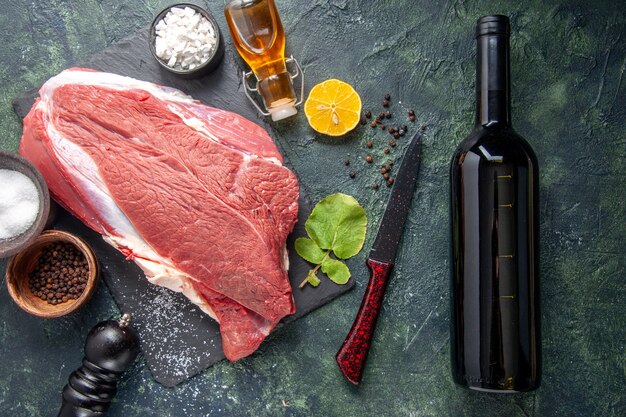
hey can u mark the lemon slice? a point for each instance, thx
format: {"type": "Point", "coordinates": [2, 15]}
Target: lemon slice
{"type": "Point", "coordinates": [333, 108]}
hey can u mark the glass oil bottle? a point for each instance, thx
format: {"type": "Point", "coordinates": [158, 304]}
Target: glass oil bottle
{"type": "Point", "coordinates": [259, 37]}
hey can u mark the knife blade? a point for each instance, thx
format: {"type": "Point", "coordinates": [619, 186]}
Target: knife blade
{"type": "Point", "coordinates": [352, 355]}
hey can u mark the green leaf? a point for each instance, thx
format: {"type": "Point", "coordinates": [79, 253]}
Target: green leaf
{"type": "Point", "coordinates": [336, 270]}
{"type": "Point", "coordinates": [309, 250]}
{"type": "Point", "coordinates": [335, 227]}
{"type": "Point", "coordinates": [338, 222]}
{"type": "Point", "coordinates": [312, 278]}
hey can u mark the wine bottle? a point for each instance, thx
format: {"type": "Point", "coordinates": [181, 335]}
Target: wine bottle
{"type": "Point", "coordinates": [494, 200]}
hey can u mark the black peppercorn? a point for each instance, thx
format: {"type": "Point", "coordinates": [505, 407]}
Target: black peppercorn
{"type": "Point", "coordinates": [369, 143]}
{"type": "Point", "coordinates": [368, 114]}
{"type": "Point", "coordinates": [387, 96]}
{"type": "Point", "coordinates": [375, 186]}
{"type": "Point", "coordinates": [352, 174]}
{"type": "Point", "coordinates": [369, 159]}
{"type": "Point", "coordinates": [392, 143]}
{"type": "Point", "coordinates": [386, 150]}
{"type": "Point", "coordinates": [346, 162]}
{"type": "Point", "coordinates": [401, 132]}
{"type": "Point", "coordinates": [388, 115]}
{"type": "Point", "coordinates": [373, 124]}
{"type": "Point", "coordinates": [363, 120]}
{"type": "Point", "coordinates": [382, 127]}
{"type": "Point", "coordinates": [396, 135]}
{"type": "Point", "coordinates": [412, 117]}
{"type": "Point", "coordinates": [51, 279]}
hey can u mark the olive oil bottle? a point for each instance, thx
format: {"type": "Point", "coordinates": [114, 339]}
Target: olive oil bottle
{"type": "Point", "coordinates": [259, 37]}
{"type": "Point", "coordinates": [494, 200]}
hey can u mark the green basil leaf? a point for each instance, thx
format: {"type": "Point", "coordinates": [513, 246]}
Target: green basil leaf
{"type": "Point", "coordinates": [338, 222]}
{"type": "Point", "coordinates": [336, 270]}
{"type": "Point", "coordinates": [309, 250]}
{"type": "Point", "coordinates": [312, 278]}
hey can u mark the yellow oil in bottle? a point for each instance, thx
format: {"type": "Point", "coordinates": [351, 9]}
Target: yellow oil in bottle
{"type": "Point", "coordinates": [259, 37]}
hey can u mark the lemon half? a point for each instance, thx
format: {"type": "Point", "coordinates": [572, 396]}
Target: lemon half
{"type": "Point", "coordinates": [333, 108]}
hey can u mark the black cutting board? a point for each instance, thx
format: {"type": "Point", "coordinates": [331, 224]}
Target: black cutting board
{"type": "Point", "coordinates": [177, 339]}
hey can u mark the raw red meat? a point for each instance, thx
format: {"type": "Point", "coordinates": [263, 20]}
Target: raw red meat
{"type": "Point", "coordinates": [197, 197]}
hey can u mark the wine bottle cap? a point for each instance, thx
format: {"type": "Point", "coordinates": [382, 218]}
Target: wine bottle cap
{"type": "Point", "coordinates": [493, 25]}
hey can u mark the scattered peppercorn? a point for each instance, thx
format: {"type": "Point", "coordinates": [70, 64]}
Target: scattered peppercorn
{"type": "Point", "coordinates": [369, 143]}
{"type": "Point", "coordinates": [406, 129]}
{"type": "Point", "coordinates": [392, 130]}
{"type": "Point", "coordinates": [388, 114]}
{"type": "Point", "coordinates": [396, 135]}
{"type": "Point", "coordinates": [379, 120]}
{"type": "Point", "coordinates": [411, 112]}
{"type": "Point", "coordinates": [383, 170]}
{"type": "Point", "coordinates": [386, 176]}
{"type": "Point", "coordinates": [381, 115]}
{"type": "Point", "coordinates": [375, 186]}
{"type": "Point", "coordinates": [392, 143]}
{"type": "Point", "coordinates": [387, 96]}
{"type": "Point", "coordinates": [363, 120]}
{"type": "Point", "coordinates": [401, 132]}
{"type": "Point", "coordinates": [368, 114]}
{"type": "Point", "coordinates": [346, 162]}
{"type": "Point", "coordinates": [382, 127]}
{"type": "Point", "coordinates": [373, 124]}
{"type": "Point", "coordinates": [352, 174]}
{"type": "Point", "coordinates": [386, 150]}
{"type": "Point", "coordinates": [369, 159]}
{"type": "Point", "coordinates": [390, 182]}
{"type": "Point", "coordinates": [423, 127]}
{"type": "Point", "coordinates": [412, 117]}
{"type": "Point", "coordinates": [385, 103]}
{"type": "Point", "coordinates": [60, 274]}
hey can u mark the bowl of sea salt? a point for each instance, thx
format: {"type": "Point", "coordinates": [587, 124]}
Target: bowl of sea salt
{"type": "Point", "coordinates": [185, 40]}
{"type": "Point", "coordinates": [24, 203]}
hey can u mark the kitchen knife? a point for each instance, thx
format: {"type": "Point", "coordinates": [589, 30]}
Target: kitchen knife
{"type": "Point", "coordinates": [353, 353]}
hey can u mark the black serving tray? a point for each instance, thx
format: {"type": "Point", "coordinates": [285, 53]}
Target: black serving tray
{"type": "Point", "coordinates": [177, 339]}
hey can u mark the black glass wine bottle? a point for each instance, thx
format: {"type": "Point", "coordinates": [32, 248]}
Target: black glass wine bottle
{"type": "Point", "coordinates": [494, 202]}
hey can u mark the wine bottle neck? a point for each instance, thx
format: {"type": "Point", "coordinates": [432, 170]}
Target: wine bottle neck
{"type": "Point", "coordinates": [493, 89]}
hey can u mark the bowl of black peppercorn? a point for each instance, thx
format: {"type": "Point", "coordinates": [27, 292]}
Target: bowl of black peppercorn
{"type": "Point", "coordinates": [53, 276]}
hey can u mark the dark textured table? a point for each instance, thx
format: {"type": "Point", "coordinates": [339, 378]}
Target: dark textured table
{"type": "Point", "coordinates": [569, 92]}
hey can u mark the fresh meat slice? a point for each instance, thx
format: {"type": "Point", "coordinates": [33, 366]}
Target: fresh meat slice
{"type": "Point", "coordinates": [196, 196]}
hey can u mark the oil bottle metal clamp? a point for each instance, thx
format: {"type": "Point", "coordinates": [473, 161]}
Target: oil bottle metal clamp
{"type": "Point", "coordinates": [248, 89]}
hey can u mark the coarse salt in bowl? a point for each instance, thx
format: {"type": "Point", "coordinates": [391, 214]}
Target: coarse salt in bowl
{"type": "Point", "coordinates": [186, 40]}
{"type": "Point", "coordinates": [24, 203]}
{"type": "Point", "coordinates": [19, 203]}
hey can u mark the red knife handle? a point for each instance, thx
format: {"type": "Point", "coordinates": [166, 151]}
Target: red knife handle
{"type": "Point", "coordinates": [353, 353]}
